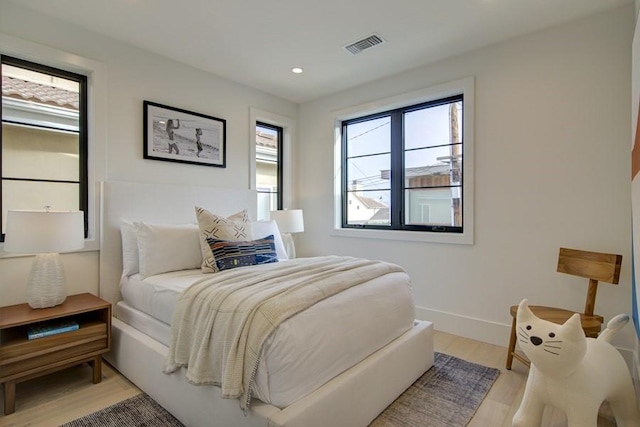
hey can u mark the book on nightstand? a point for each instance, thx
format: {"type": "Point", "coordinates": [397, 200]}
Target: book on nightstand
{"type": "Point", "coordinates": [52, 329]}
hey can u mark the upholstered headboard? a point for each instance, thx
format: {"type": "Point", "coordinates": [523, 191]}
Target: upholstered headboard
{"type": "Point", "coordinates": [155, 203]}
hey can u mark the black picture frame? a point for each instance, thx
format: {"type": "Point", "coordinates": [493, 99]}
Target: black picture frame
{"type": "Point", "coordinates": [176, 135]}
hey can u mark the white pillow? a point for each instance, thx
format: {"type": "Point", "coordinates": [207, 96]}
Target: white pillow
{"type": "Point", "coordinates": [167, 247]}
{"type": "Point", "coordinates": [262, 229]}
{"type": "Point", "coordinates": [234, 228]}
{"type": "Point", "coordinates": [130, 264]}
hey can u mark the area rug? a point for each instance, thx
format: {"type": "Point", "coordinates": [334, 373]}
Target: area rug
{"type": "Point", "coordinates": [447, 395]}
{"type": "Point", "coordinates": [137, 411]}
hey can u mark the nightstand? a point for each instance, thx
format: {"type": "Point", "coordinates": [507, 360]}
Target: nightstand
{"type": "Point", "coordinates": [22, 359]}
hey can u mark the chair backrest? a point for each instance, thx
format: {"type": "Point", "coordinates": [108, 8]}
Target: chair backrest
{"type": "Point", "coordinates": [595, 266]}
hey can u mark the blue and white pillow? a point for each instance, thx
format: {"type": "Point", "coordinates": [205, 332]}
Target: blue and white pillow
{"type": "Point", "coordinates": [231, 254]}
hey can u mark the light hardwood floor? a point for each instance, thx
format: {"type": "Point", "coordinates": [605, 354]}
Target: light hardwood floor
{"type": "Point", "coordinates": [64, 396]}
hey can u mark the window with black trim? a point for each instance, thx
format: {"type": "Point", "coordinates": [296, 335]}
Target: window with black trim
{"type": "Point", "coordinates": [43, 143]}
{"type": "Point", "coordinates": [402, 169]}
{"type": "Point", "coordinates": [269, 154]}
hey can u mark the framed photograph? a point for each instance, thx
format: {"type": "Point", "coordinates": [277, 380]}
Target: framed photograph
{"type": "Point", "coordinates": [176, 135]}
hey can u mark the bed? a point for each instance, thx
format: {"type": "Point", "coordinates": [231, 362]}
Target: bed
{"type": "Point", "coordinates": [343, 388]}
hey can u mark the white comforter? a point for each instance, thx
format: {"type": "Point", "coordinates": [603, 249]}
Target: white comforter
{"type": "Point", "coordinates": [312, 347]}
{"type": "Point", "coordinates": [220, 326]}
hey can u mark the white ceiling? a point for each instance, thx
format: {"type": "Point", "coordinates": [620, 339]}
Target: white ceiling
{"type": "Point", "coordinates": [257, 42]}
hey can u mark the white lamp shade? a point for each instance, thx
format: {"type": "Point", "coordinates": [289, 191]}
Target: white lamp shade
{"type": "Point", "coordinates": [38, 232]}
{"type": "Point", "coordinates": [289, 221]}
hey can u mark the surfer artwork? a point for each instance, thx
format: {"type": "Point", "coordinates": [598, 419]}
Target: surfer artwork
{"type": "Point", "coordinates": [178, 135]}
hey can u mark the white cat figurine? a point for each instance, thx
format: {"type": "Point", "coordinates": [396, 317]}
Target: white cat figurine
{"type": "Point", "coordinates": [573, 373]}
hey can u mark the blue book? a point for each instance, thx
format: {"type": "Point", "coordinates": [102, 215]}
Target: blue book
{"type": "Point", "coordinates": [52, 329]}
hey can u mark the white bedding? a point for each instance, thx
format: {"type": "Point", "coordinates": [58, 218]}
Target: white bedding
{"type": "Point", "coordinates": [331, 336]}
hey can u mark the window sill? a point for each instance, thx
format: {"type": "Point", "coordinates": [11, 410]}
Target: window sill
{"type": "Point", "coordinates": [406, 236]}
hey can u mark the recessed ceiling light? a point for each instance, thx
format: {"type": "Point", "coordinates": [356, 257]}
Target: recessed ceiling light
{"type": "Point", "coordinates": [297, 70]}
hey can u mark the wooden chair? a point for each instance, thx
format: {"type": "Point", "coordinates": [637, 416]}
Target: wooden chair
{"type": "Point", "coordinates": [595, 266]}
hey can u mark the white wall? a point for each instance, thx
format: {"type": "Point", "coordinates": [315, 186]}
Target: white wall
{"type": "Point", "coordinates": [131, 75]}
{"type": "Point", "coordinates": [552, 132]}
{"type": "Point", "coordinates": [552, 162]}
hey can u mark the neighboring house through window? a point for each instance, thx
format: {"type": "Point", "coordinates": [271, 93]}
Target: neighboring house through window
{"type": "Point", "coordinates": [44, 138]}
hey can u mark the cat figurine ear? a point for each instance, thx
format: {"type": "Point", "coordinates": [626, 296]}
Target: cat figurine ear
{"type": "Point", "coordinates": [554, 349]}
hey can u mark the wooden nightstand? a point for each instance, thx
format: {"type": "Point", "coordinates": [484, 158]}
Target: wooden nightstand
{"type": "Point", "coordinates": [22, 359]}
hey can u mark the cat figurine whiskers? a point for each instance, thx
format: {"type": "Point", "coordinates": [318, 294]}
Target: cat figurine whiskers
{"type": "Point", "coordinates": [573, 373]}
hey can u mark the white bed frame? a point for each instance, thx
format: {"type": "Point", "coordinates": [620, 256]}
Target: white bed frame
{"type": "Point", "coordinates": [352, 399]}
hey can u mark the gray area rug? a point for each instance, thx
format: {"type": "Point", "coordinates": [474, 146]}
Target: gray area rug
{"type": "Point", "coordinates": [137, 411]}
{"type": "Point", "coordinates": [447, 395]}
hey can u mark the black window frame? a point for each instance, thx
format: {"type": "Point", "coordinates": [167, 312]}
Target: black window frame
{"type": "Point", "coordinates": [397, 170]}
{"type": "Point", "coordinates": [280, 174]}
{"type": "Point", "coordinates": [83, 134]}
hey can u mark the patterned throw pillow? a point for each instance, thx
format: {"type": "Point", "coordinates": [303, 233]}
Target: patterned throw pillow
{"type": "Point", "coordinates": [229, 254]}
{"type": "Point", "coordinates": [235, 227]}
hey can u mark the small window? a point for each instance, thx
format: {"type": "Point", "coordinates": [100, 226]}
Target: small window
{"type": "Point", "coordinates": [268, 168]}
{"type": "Point", "coordinates": [44, 138]}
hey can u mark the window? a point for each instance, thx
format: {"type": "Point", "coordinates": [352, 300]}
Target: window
{"type": "Point", "coordinates": [268, 168]}
{"type": "Point", "coordinates": [406, 165]}
{"type": "Point", "coordinates": [44, 138]}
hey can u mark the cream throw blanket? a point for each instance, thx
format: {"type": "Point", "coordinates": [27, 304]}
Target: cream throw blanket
{"type": "Point", "coordinates": [221, 322]}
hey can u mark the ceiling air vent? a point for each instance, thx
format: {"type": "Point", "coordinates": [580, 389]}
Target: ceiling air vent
{"type": "Point", "coordinates": [367, 42]}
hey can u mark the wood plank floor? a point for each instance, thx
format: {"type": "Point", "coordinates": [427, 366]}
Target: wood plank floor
{"type": "Point", "coordinates": [64, 396]}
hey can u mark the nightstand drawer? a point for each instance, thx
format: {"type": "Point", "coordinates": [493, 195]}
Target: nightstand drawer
{"type": "Point", "coordinates": [54, 356]}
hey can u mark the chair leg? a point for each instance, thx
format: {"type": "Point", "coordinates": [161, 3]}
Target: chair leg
{"type": "Point", "coordinates": [512, 344]}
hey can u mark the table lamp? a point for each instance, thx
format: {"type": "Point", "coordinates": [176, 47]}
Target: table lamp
{"type": "Point", "coordinates": [289, 221]}
{"type": "Point", "coordinates": [45, 233]}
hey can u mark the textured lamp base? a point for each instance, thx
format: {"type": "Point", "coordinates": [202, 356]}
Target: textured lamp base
{"type": "Point", "coordinates": [46, 285]}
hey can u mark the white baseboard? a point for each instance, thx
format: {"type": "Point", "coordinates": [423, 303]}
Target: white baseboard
{"type": "Point", "coordinates": [465, 326]}
{"type": "Point", "coordinates": [487, 331]}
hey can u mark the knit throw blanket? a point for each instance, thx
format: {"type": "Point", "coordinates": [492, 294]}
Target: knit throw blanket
{"type": "Point", "coordinates": [221, 322]}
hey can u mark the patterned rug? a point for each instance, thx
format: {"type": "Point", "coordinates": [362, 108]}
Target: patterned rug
{"type": "Point", "coordinates": [447, 395]}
